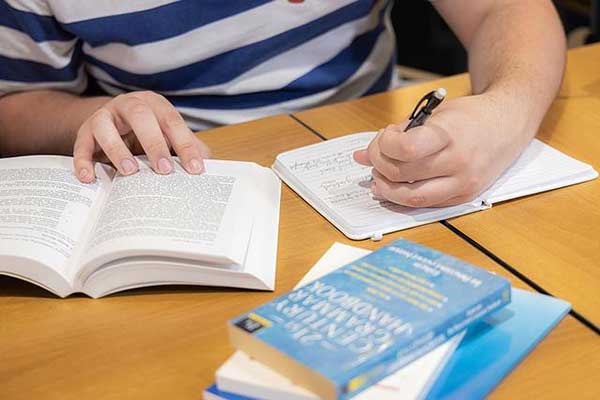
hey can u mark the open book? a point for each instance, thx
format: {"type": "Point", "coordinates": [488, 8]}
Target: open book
{"type": "Point", "coordinates": [218, 229]}
{"type": "Point", "coordinates": [326, 176]}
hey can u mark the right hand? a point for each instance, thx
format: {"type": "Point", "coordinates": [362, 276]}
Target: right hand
{"type": "Point", "coordinates": [136, 123]}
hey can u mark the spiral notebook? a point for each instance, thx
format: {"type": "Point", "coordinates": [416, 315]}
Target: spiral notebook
{"type": "Point", "coordinates": [326, 176]}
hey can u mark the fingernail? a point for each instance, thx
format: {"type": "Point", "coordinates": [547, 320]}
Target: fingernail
{"type": "Point", "coordinates": [127, 166]}
{"type": "Point", "coordinates": [164, 166]}
{"type": "Point", "coordinates": [83, 174]}
{"type": "Point", "coordinates": [195, 166]}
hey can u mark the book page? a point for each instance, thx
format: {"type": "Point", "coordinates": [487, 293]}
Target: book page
{"type": "Point", "coordinates": [44, 208]}
{"type": "Point", "coordinates": [328, 174]}
{"type": "Point", "coordinates": [258, 271]}
{"type": "Point", "coordinates": [198, 217]}
{"type": "Point", "coordinates": [539, 168]}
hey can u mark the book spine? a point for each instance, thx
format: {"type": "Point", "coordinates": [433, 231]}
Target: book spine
{"type": "Point", "coordinates": [397, 357]}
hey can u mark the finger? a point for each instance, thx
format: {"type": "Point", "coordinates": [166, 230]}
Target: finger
{"type": "Point", "coordinates": [415, 144]}
{"type": "Point", "coordinates": [443, 163]}
{"type": "Point", "coordinates": [141, 119]}
{"type": "Point", "coordinates": [427, 193]}
{"type": "Point", "coordinates": [454, 201]}
{"type": "Point", "coordinates": [178, 134]}
{"type": "Point", "coordinates": [362, 157]}
{"type": "Point", "coordinates": [204, 150]}
{"type": "Point", "coordinates": [374, 150]}
{"type": "Point", "coordinates": [83, 155]}
{"type": "Point", "coordinates": [110, 141]}
{"type": "Point", "coordinates": [380, 161]}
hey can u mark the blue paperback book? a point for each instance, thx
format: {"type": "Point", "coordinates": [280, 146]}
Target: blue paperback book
{"type": "Point", "coordinates": [347, 330]}
{"type": "Point", "coordinates": [213, 393]}
{"type": "Point", "coordinates": [489, 351]}
{"type": "Point", "coordinates": [495, 345]}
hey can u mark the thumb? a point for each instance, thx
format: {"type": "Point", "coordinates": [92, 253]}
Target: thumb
{"type": "Point", "coordinates": [362, 157]}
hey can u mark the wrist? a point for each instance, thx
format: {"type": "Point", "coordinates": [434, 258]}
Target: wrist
{"type": "Point", "coordinates": [517, 117]}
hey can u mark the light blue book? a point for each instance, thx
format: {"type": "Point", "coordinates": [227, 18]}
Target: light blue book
{"type": "Point", "coordinates": [491, 348]}
{"type": "Point", "coordinates": [213, 393]}
{"type": "Point", "coordinates": [347, 330]}
{"type": "Point", "coordinates": [494, 346]}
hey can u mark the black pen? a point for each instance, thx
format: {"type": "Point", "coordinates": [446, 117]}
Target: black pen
{"type": "Point", "coordinates": [419, 116]}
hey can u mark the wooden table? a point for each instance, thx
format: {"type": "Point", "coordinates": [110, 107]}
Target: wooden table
{"type": "Point", "coordinates": [582, 76]}
{"type": "Point", "coordinates": [552, 239]}
{"type": "Point", "coordinates": [167, 342]}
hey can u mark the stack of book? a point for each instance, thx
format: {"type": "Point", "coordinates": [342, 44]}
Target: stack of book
{"type": "Point", "coordinates": [404, 322]}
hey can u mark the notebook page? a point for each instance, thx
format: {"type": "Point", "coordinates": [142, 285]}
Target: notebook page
{"type": "Point", "coordinates": [539, 168]}
{"type": "Point", "coordinates": [327, 174]}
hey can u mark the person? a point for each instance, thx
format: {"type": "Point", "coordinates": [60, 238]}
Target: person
{"type": "Point", "coordinates": [165, 67]}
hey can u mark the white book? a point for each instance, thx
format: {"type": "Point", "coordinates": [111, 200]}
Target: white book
{"type": "Point", "coordinates": [120, 232]}
{"type": "Point", "coordinates": [244, 376]}
{"type": "Point", "coordinates": [326, 176]}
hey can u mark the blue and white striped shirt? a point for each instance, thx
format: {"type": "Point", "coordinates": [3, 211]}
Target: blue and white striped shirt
{"type": "Point", "coordinates": [218, 61]}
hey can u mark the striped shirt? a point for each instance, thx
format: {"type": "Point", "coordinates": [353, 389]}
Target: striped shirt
{"type": "Point", "coordinates": [218, 61]}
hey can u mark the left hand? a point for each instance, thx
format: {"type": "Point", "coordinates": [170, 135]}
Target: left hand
{"type": "Point", "coordinates": [462, 148]}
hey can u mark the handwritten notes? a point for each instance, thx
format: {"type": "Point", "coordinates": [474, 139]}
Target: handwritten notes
{"type": "Point", "coordinates": [326, 176]}
{"type": "Point", "coordinates": [329, 171]}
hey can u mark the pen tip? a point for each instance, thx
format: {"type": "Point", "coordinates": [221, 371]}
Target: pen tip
{"type": "Point", "coordinates": [440, 93]}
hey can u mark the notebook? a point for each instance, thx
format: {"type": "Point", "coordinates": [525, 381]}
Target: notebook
{"type": "Point", "coordinates": [242, 376]}
{"type": "Point", "coordinates": [326, 176]}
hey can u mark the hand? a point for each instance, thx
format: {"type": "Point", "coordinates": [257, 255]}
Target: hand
{"type": "Point", "coordinates": [462, 148]}
{"type": "Point", "coordinates": [137, 123]}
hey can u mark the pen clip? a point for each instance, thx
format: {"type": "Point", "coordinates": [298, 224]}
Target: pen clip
{"type": "Point", "coordinates": [427, 98]}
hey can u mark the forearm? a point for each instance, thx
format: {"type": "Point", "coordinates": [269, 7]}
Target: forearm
{"type": "Point", "coordinates": [517, 57]}
{"type": "Point", "coordinates": [43, 122]}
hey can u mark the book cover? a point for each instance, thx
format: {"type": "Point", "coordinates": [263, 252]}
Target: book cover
{"type": "Point", "coordinates": [241, 375]}
{"type": "Point", "coordinates": [347, 330]}
{"type": "Point", "coordinates": [491, 348]}
{"type": "Point", "coordinates": [213, 393]}
{"type": "Point", "coordinates": [495, 345]}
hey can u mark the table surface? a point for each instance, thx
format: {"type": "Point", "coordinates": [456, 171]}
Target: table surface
{"type": "Point", "coordinates": [582, 76]}
{"type": "Point", "coordinates": [167, 342]}
{"type": "Point", "coordinates": [552, 238]}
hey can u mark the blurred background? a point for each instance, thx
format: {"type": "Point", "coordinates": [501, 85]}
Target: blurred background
{"type": "Point", "coordinates": [431, 40]}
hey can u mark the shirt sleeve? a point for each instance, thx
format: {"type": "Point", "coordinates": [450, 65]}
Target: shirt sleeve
{"type": "Point", "coordinates": [35, 51]}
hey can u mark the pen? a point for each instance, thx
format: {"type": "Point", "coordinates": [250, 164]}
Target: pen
{"type": "Point", "coordinates": [419, 116]}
